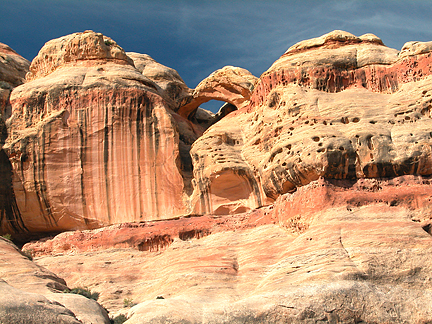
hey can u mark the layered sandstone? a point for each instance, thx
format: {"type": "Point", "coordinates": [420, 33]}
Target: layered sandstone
{"type": "Point", "coordinates": [335, 138]}
{"type": "Point", "coordinates": [339, 106]}
{"type": "Point", "coordinates": [91, 141]}
{"type": "Point", "coordinates": [335, 250]}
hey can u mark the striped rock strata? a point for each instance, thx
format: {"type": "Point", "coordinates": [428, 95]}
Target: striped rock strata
{"type": "Point", "coordinates": [337, 107]}
{"type": "Point", "coordinates": [96, 137]}
{"type": "Point", "coordinates": [91, 141]}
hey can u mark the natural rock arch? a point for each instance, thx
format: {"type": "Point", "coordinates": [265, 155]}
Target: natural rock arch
{"type": "Point", "coordinates": [230, 84]}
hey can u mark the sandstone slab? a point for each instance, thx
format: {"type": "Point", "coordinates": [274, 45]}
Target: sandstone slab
{"type": "Point", "coordinates": [17, 306]}
{"type": "Point", "coordinates": [334, 250]}
{"type": "Point", "coordinates": [87, 311]}
{"type": "Point", "coordinates": [20, 272]}
{"type": "Point", "coordinates": [32, 294]}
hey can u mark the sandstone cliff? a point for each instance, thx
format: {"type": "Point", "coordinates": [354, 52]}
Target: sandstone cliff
{"type": "Point", "coordinates": [91, 140]}
{"type": "Point", "coordinates": [306, 199]}
{"type": "Point", "coordinates": [98, 136]}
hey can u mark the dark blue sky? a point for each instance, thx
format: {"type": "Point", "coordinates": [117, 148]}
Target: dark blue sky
{"type": "Point", "coordinates": [198, 37]}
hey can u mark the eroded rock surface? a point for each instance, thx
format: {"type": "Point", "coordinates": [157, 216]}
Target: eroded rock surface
{"type": "Point", "coordinates": [17, 270]}
{"type": "Point", "coordinates": [97, 136]}
{"type": "Point", "coordinates": [13, 69]}
{"type": "Point", "coordinates": [32, 294]}
{"type": "Point", "coordinates": [91, 141]}
{"type": "Point", "coordinates": [333, 144]}
{"type": "Point", "coordinates": [172, 87]}
{"type": "Point", "coordinates": [17, 306]}
{"type": "Point", "coordinates": [74, 48]}
{"type": "Point", "coordinates": [335, 250]}
{"type": "Point", "coordinates": [339, 106]}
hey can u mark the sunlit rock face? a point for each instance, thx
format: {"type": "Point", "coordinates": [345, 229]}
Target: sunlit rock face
{"type": "Point", "coordinates": [97, 136]}
{"type": "Point", "coordinates": [91, 140]}
{"type": "Point", "coordinates": [335, 250]}
{"type": "Point", "coordinates": [338, 106]}
{"type": "Point", "coordinates": [13, 69]}
{"type": "Point", "coordinates": [335, 138]}
{"type": "Point", "coordinates": [230, 84]}
{"type": "Point", "coordinates": [169, 83]}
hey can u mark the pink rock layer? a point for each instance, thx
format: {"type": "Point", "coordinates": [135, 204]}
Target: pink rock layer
{"type": "Point", "coordinates": [377, 78]}
{"type": "Point", "coordinates": [295, 212]}
{"type": "Point", "coordinates": [347, 246]}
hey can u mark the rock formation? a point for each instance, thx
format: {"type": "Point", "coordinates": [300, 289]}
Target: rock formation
{"type": "Point", "coordinates": [170, 85]}
{"type": "Point", "coordinates": [91, 141]}
{"type": "Point", "coordinates": [13, 69]}
{"type": "Point", "coordinates": [98, 136]}
{"type": "Point", "coordinates": [307, 200]}
{"type": "Point", "coordinates": [336, 250]}
{"type": "Point", "coordinates": [32, 294]}
{"type": "Point", "coordinates": [338, 106]}
{"type": "Point", "coordinates": [230, 84]}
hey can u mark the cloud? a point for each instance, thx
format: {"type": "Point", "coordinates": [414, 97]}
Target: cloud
{"type": "Point", "coordinates": [197, 37]}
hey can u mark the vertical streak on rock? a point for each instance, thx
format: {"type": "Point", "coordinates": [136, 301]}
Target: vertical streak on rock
{"type": "Point", "coordinates": [105, 161]}
{"type": "Point", "coordinates": [39, 177]}
{"type": "Point", "coordinates": [256, 190]}
{"type": "Point", "coordinates": [155, 149]}
{"type": "Point", "coordinates": [9, 211]}
{"type": "Point", "coordinates": [113, 142]}
{"type": "Point", "coordinates": [138, 124]}
{"type": "Point", "coordinates": [150, 132]}
{"type": "Point", "coordinates": [82, 121]}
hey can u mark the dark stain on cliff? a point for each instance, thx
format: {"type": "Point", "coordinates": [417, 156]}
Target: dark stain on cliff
{"type": "Point", "coordinates": [187, 235]}
{"type": "Point", "coordinates": [106, 157]}
{"type": "Point", "coordinates": [83, 146]}
{"type": "Point", "coordinates": [153, 134]}
{"type": "Point", "coordinates": [155, 243]}
{"type": "Point", "coordinates": [39, 174]}
{"type": "Point", "coordinates": [138, 123]}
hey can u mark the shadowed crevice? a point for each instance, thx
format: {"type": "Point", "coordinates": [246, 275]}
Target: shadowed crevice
{"type": "Point", "coordinates": [10, 216]}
